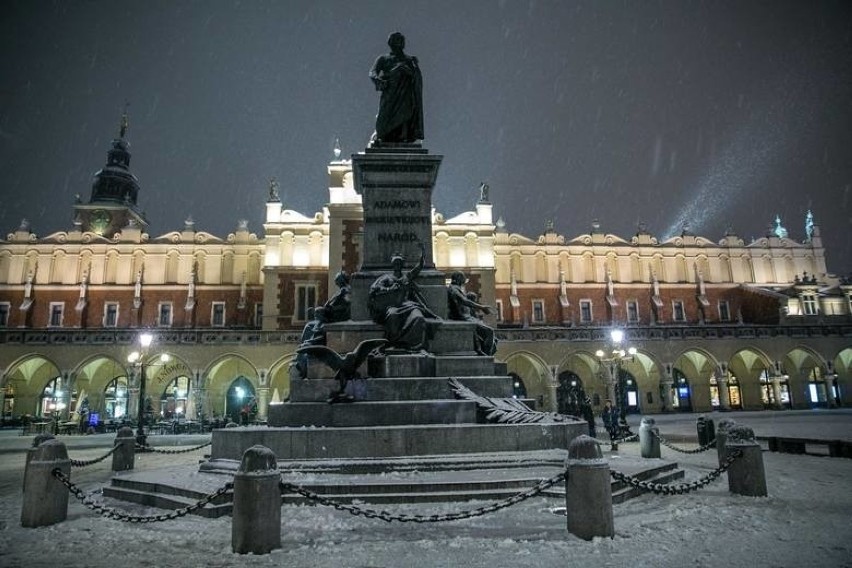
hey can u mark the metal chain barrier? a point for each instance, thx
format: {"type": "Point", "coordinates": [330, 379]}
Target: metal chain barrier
{"type": "Point", "coordinates": [84, 463]}
{"type": "Point", "coordinates": [388, 517]}
{"type": "Point", "coordinates": [698, 450]}
{"type": "Point", "coordinates": [118, 515]}
{"type": "Point", "coordinates": [632, 438]}
{"type": "Point", "coordinates": [682, 488]}
{"type": "Point", "coordinates": [149, 449]}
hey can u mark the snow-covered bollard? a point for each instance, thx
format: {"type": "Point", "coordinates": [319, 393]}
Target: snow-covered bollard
{"type": "Point", "coordinates": [256, 525]}
{"type": "Point", "coordinates": [746, 476]}
{"type": "Point", "coordinates": [588, 490]}
{"type": "Point", "coordinates": [37, 441]}
{"type": "Point", "coordinates": [125, 451]}
{"type": "Point", "coordinates": [45, 499]}
{"type": "Point", "coordinates": [649, 442]}
{"type": "Point", "coordinates": [721, 434]}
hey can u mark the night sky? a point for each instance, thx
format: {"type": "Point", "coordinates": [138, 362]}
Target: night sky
{"type": "Point", "coordinates": [715, 114]}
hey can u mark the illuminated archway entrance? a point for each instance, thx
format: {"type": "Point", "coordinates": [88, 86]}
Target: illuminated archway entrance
{"type": "Point", "coordinates": [241, 403]}
{"type": "Point", "coordinates": [681, 392]}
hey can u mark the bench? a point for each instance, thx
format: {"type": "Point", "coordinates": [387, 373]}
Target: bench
{"type": "Point", "coordinates": [836, 448]}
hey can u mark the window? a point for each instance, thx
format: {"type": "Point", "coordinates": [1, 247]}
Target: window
{"type": "Point", "coordinates": [538, 311]}
{"type": "Point", "coordinates": [57, 310]}
{"type": "Point", "coordinates": [4, 314]}
{"type": "Point", "coordinates": [258, 315]}
{"type": "Point", "coordinates": [111, 314]}
{"type": "Point", "coordinates": [586, 311]}
{"type": "Point", "coordinates": [677, 311]}
{"type": "Point", "coordinates": [499, 310]}
{"type": "Point", "coordinates": [724, 311]}
{"type": "Point", "coordinates": [217, 314]}
{"type": "Point", "coordinates": [164, 315]}
{"type": "Point", "coordinates": [116, 397]}
{"type": "Point", "coordinates": [809, 304]}
{"type": "Point", "coordinates": [306, 297]}
{"type": "Point", "coordinates": [632, 311]}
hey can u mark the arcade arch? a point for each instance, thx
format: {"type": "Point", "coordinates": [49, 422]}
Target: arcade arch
{"type": "Point", "coordinates": [536, 378]}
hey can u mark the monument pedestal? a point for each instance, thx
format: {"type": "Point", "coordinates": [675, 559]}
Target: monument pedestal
{"type": "Point", "coordinates": [406, 407]}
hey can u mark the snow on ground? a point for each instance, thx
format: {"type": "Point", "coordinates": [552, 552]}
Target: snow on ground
{"type": "Point", "coordinates": [806, 521]}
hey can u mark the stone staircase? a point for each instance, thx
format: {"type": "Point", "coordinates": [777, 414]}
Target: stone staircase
{"type": "Point", "coordinates": [427, 479]}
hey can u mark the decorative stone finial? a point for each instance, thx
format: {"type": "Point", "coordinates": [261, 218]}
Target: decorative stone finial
{"type": "Point", "coordinates": [337, 150]}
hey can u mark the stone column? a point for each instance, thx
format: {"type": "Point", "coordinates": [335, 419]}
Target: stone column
{"type": "Point", "coordinates": [262, 402]}
{"type": "Point", "coordinates": [2, 395]}
{"type": "Point", "coordinates": [776, 392]}
{"type": "Point", "coordinates": [724, 396]}
{"type": "Point", "coordinates": [668, 402]}
{"type": "Point", "coordinates": [65, 399]}
{"type": "Point", "coordinates": [133, 403]}
{"type": "Point", "coordinates": [610, 377]}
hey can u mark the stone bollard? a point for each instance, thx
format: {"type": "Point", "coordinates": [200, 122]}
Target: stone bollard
{"type": "Point", "coordinates": [649, 442]}
{"type": "Point", "coordinates": [37, 441]}
{"type": "Point", "coordinates": [125, 453]}
{"type": "Point", "coordinates": [706, 430]}
{"type": "Point", "coordinates": [588, 490]}
{"type": "Point", "coordinates": [721, 434]}
{"type": "Point", "coordinates": [746, 476]}
{"type": "Point", "coordinates": [45, 499]}
{"type": "Point", "coordinates": [256, 524]}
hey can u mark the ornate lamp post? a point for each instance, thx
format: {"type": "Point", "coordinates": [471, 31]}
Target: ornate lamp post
{"type": "Point", "coordinates": [137, 359]}
{"type": "Point", "coordinates": [613, 361]}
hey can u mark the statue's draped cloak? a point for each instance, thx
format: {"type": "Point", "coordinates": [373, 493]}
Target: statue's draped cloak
{"type": "Point", "coordinates": [400, 117]}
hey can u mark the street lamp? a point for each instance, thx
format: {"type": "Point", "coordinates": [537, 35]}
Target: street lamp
{"type": "Point", "coordinates": [137, 359]}
{"type": "Point", "coordinates": [616, 384]}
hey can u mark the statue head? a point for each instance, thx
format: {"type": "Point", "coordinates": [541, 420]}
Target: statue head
{"type": "Point", "coordinates": [341, 279]}
{"type": "Point", "coordinates": [458, 278]}
{"type": "Point", "coordinates": [396, 40]}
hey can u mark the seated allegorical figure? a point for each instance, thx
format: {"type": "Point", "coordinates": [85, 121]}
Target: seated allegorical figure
{"type": "Point", "coordinates": [464, 306]}
{"type": "Point", "coordinates": [312, 334]}
{"type": "Point", "coordinates": [339, 306]}
{"type": "Point", "coordinates": [397, 304]}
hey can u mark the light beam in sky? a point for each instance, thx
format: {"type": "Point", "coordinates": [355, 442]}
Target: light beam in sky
{"type": "Point", "coordinates": [743, 164]}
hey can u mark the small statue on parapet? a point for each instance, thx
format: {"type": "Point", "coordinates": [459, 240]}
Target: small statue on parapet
{"type": "Point", "coordinates": [464, 306]}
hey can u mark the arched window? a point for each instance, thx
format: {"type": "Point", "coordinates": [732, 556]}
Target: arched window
{"type": "Point", "coordinates": [569, 394]}
{"type": "Point", "coordinates": [174, 398]}
{"type": "Point", "coordinates": [682, 399]}
{"type": "Point", "coordinates": [53, 398]}
{"type": "Point", "coordinates": [116, 395]}
{"type": "Point", "coordinates": [519, 390]}
{"type": "Point", "coordinates": [240, 402]}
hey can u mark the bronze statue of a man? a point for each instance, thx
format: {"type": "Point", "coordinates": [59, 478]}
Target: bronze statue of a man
{"type": "Point", "coordinates": [397, 76]}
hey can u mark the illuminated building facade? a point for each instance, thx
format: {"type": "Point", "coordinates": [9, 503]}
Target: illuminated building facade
{"type": "Point", "coordinates": [715, 325]}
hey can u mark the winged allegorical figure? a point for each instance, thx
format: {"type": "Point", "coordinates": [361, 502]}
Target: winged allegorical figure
{"type": "Point", "coordinates": [346, 366]}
